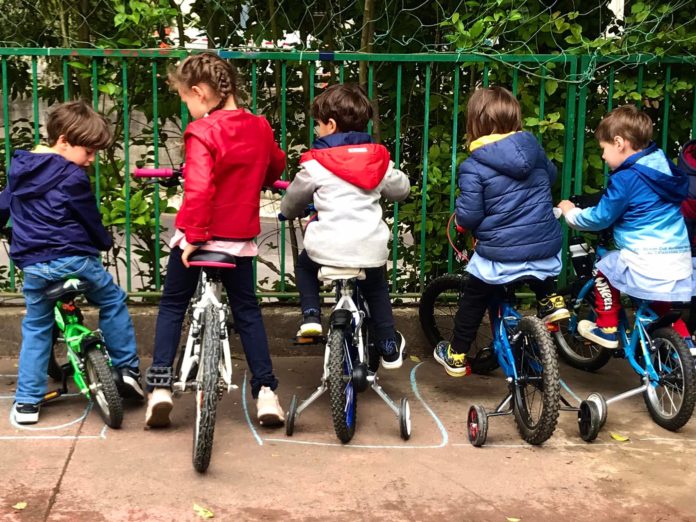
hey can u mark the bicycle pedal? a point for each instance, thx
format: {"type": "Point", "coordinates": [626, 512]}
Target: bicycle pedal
{"type": "Point", "coordinates": [51, 395]}
{"type": "Point", "coordinates": [301, 341]}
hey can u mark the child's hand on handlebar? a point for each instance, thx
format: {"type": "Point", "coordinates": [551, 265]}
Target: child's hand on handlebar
{"type": "Point", "coordinates": [566, 206]}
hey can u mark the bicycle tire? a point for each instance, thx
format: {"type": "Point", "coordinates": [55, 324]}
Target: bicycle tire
{"type": "Point", "coordinates": [103, 388]}
{"type": "Point", "coordinates": [206, 391]}
{"type": "Point", "coordinates": [535, 349]}
{"type": "Point", "coordinates": [438, 325]}
{"type": "Point", "coordinates": [667, 340]}
{"type": "Point", "coordinates": [574, 349]}
{"type": "Point", "coordinates": [342, 394]}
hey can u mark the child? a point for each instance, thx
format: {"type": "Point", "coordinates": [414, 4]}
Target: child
{"type": "Point", "coordinates": [345, 175]}
{"type": "Point", "coordinates": [687, 163]}
{"type": "Point", "coordinates": [230, 156]}
{"type": "Point", "coordinates": [642, 203]}
{"type": "Point", "coordinates": [505, 201]}
{"type": "Point", "coordinates": [57, 234]}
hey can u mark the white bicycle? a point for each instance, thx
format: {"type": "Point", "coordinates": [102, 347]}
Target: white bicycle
{"type": "Point", "coordinates": [350, 360]}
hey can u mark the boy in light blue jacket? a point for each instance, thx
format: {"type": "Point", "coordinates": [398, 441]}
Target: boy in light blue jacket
{"type": "Point", "coordinates": [642, 203]}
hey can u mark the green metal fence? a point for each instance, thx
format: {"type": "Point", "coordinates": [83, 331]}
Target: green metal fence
{"type": "Point", "coordinates": [579, 88]}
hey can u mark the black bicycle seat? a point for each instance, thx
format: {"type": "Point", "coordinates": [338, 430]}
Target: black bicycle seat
{"type": "Point", "coordinates": [66, 288]}
{"type": "Point", "coordinates": [212, 259]}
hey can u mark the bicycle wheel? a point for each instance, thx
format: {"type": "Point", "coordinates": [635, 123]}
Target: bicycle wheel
{"type": "Point", "coordinates": [103, 388]}
{"type": "Point", "coordinates": [671, 403]}
{"type": "Point", "coordinates": [342, 393]}
{"type": "Point", "coordinates": [436, 310]}
{"type": "Point", "coordinates": [537, 390]}
{"type": "Point", "coordinates": [577, 351]}
{"type": "Point", "coordinates": [207, 391]}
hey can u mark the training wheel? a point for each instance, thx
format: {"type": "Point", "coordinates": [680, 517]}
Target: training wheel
{"type": "Point", "coordinates": [292, 413]}
{"type": "Point", "coordinates": [601, 404]}
{"type": "Point", "coordinates": [477, 425]}
{"type": "Point", "coordinates": [588, 420]}
{"type": "Point", "coordinates": [405, 419]}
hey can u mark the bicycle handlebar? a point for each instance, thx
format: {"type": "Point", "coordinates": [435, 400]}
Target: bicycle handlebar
{"type": "Point", "coordinates": [155, 173]}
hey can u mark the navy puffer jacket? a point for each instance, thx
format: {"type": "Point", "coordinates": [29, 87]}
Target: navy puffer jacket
{"type": "Point", "coordinates": [505, 200]}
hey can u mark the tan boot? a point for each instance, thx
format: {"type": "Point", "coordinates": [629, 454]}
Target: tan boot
{"type": "Point", "coordinates": [159, 405]}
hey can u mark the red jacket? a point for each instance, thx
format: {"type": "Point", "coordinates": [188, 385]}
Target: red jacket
{"type": "Point", "coordinates": [230, 156]}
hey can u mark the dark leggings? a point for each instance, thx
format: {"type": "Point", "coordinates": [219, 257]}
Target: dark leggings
{"type": "Point", "coordinates": [179, 287]}
{"type": "Point", "coordinates": [476, 296]}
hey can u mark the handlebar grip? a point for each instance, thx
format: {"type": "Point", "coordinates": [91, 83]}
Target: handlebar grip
{"type": "Point", "coordinates": [281, 184]}
{"type": "Point", "coordinates": [281, 217]}
{"type": "Point", "coordinates": [153, 173]}
{"type": "Point", "coordinates": [460, 229]}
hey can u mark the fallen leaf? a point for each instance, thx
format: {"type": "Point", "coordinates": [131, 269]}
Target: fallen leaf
{"type": "Point", "coordinates": [20, 505]}
{"type": "Point", "coordinates": [619, 438]}
{"type": "Point", "coordinates": [415, 358]}
{"type": "Point", "coordinates": [202, 512]}
{"type": "Point", "coordinates": [511, 519]}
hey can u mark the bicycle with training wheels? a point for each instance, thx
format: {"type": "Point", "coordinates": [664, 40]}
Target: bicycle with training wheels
{"type": "Point", "coordinates": [520, 345]}
{"type": "Point", "coordinates": [204, 364]}
{"type": "Point", "coordinates": [653, 349]}
{"type": "Point", "coordinates": [351, 360]}
{"type": "Point", "coordinates": [88, 362]}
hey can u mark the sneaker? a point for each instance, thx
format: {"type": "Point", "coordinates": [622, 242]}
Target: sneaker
{"type": "Point", "coordinates": [455, 364]}
{"type": "Point", "coordinates": [311, 324]}
{"type": "Point", "coordinates": [268, 409]}
{"type": "Point", "coordinates": [128, 383]}
{"type": "Point", "coordinates": [605, 337]}
{"type": "Point", "coordinates": [392, 351]}
{"type": "Point", "coordinates": [26, 413]}
{"type": "Point", "coordinates": [159, 406]}
{"type": "Point", "coordinates": [552, 308]}
{"type": "Point", "coordinates": [691, 345]}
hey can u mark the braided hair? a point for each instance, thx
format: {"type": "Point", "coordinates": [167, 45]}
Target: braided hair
{"type": "Point", "coordinates": [220, 75]}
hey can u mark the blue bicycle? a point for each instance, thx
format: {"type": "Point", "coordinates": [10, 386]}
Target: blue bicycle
{"type": "Point", "coordinates": [655, 351]}
{"type": "Point", "coordinates": [526, 353]}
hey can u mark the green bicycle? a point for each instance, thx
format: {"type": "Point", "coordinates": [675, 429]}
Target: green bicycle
{"type": "Point", "coordinates": [88, 362]}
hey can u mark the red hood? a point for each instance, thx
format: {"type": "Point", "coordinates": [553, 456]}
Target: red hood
{"type": "Point", "coordinates": [361, 165]}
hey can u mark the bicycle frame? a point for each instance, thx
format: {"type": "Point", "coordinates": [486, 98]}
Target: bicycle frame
{"type": "Point", "coordinates": [74, 333]}
{"type": "Point", "coordinates": [504, 319]}
{"type": "Point", "coordinates": [630, 340]}
{"type": "Point", "coordinates": [211, 294]}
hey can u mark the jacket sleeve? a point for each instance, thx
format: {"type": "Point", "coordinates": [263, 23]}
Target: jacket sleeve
{"type": "Point", "coordinates": [83, 208]}
{"type": "Point", "coordinates": [299, 194]}
{"type": "Point", "coordinates": [469, 206]}
{"type": "Point", "coordinates": [5, 197]}
{"type": "Point", "coordinates": [611, 207]}
{"type": "Point", "coordinates": [277, 163]}
{"type": "Point", "coordinates": [199, 189]}
{"type": "Point", "coordinates": [395, 185]}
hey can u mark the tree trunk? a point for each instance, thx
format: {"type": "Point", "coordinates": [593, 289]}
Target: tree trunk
{"type": "Point", "coordinates": [276, 67]}
{"type": "Point", "coordinates": [179, 23]}
{"type": "Point", "coordinates": [366, 47]}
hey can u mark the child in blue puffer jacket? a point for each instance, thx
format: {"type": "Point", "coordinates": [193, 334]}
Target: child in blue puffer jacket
{"type": "Point", "coordinates": [642, 204]}
{"type": "Point", "coordinates": [505, 201]}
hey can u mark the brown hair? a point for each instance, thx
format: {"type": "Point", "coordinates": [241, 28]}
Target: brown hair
{"type": "Point", "coordinates": [347, 104]}
{"type": "Point", "coordinates": [492, 110]}
{"type": "Point", "coordinates": [80, 125]}
{"type": "Point", "coordinates": [220, 75]}
{"type": "Point", "coordinates": [631, 124]}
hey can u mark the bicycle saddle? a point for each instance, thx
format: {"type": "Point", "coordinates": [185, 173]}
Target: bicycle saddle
{"type": "Point", "coordinates": [334, 273]}
{"type": "Point", "coordinates": [212, 259]}
{"type": "Point", "coordinates": [69, 287]}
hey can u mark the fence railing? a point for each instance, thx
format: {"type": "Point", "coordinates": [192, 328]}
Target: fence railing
{"type": "Point", "coordinates": [419, 99]}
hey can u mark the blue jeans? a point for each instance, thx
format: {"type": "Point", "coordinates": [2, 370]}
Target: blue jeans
{"type": "Point", "coordinates": [179, 287]}
{"type": "Point", "coordinates": [37, 326]}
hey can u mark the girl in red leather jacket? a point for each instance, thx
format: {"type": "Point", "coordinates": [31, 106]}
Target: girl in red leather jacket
{"type": "Point", "coordinates": [230, 155]}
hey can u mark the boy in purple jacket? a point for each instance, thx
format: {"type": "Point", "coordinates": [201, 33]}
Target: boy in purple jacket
{"type": "Point", "coordinates": [57, 233]}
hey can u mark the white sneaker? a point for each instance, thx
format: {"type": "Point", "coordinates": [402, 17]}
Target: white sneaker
{"type": "Point", "coordinates": [159, 405]}
{"type": "Point", "coordinates": [25, 413]}
{"type": "Point", "coordinates": [268, 408]}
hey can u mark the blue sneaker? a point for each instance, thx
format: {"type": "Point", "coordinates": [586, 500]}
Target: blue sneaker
{"type": "Point", "coordinates": [392, 352]}
{"type": "Point", "coordinates": [455, 364]}
{"type": "Point", "coordinates": [605, 337]}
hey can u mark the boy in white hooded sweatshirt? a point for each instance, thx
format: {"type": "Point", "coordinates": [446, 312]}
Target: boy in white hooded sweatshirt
{"type": "Point", "coordinates": [345, 175]}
